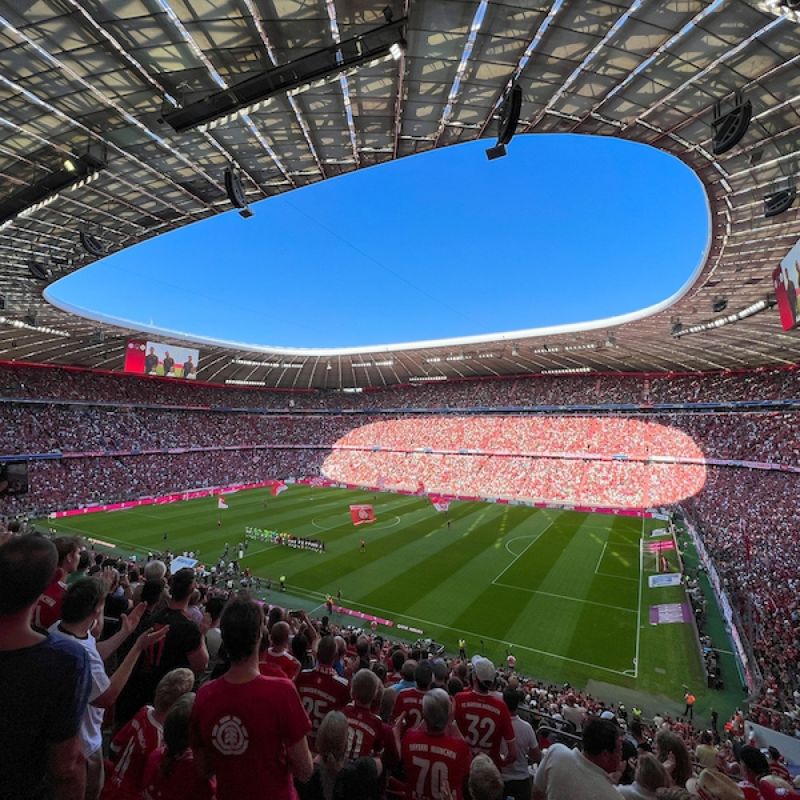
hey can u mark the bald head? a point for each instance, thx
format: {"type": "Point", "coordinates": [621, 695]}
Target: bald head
{"type": "Point", "coordinates": [279, 635]}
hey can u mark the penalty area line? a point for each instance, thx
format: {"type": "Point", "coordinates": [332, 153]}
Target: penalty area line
{"type": "Point", "coordinates": [534, 538]}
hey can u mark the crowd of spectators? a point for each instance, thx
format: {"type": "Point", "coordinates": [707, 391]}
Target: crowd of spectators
{"type": "Point", "coordinates": [19, 381]}
{"type": "Point", "coordinates": [76, 482]}
{"type": "Point", "coordinates": [753, 436]}
{"type": "Point", "coordinates": [747, 518]}
{"type": "Point", "coordinates": [238, 699]}
{"type": "Point", "coordinates": [748, 521]}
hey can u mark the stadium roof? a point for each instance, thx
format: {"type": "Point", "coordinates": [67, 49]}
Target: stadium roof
{"type": "Point", "coordinates": [94, 90]}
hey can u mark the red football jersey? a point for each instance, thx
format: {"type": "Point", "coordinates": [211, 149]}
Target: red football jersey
{"type": "Point", "coordinates": [484, 721]}
{"type": "Point", "coordinates": [48, 609]}
{"type": "Point", "coordinates": [131, 747]}
{"type": "Point", "coordinates": [182, 783]}
{"type": "Point", "coordinates": [285, 661]}
{"type": "Point", "coordinates": [434, 763]}
{"type": "Point", "coordinates": [321, 690]}
{"type": "Point", "coordinates": [364, 731]}
{"type": "Point", "coordinates": [410, 702]}
{"type": "Point", "coordinates": [246, 729]}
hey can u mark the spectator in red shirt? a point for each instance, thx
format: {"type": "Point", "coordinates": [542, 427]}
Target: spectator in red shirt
{"type": "Point", "coordinates": [365, 735]}
{"type": "Point", "coordinates": [335, 776]}
{"type": "Point", "coordinates": [409, 702]}
{"type": "Point", "coordinates": [171, 773]}
{"type": "Point", "coordinates": [321, 689]}
{"type": "Point", "coordinates": [483, 718]}
{"type": "Point", "coordinates": [48, 609]}
{"type": "Point", "coordinates": [435, 756]}
{"type": "Point", "coordinates": [278, 654]}
{"type": "Point", "coordinates": [142, 735]}
{"type": "Point", "coordinates": [249, 730]}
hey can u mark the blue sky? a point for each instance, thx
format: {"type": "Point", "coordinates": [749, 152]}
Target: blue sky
{"type": "Point", "coordinates": [564, 229]}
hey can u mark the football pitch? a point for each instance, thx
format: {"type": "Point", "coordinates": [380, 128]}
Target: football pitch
{"type": "Point", "coordinates": [567, 593]}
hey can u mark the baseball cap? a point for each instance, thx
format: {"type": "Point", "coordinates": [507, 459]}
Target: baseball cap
{"type": "Point", "coordinates": [484, 669]}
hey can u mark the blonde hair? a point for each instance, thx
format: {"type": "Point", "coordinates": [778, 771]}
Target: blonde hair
{"type": "Point", "coordinates": [485, 781]}
{"type": "Point", "coordinates": [331, 745]}
{"type": "Point", "coordinates": [173, 685]}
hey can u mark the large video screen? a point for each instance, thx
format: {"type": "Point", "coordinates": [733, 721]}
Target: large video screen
{"type": "Point", "coordinates": [786, 282]}
{"type": "Point", "coordinates": [13, 478]}
{"type": "Point", "coordinates": [157, 358]}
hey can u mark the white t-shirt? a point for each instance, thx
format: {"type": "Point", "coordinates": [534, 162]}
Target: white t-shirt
{"type": "Point", "coordinates": [566, 774]}
{"type": "Point", "coordinates": [526, 739]}
{"type": "Point", "coordinates": [91, 735]}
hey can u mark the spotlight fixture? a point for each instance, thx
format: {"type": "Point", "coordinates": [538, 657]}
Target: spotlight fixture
{"type": "Point", "coordinates": [236, 194]}
{"type": "Point", "coordinates": [719, 304]}
{"type": "Point", "coordinates": [38, 271]}
{"type": "Point", "coordinates": [508, 117]}
{"type": "Point", "coordinates": [677, 328]}
{"type": "Point", "coordinates": [776, 203]}
{"type": "Point", "coordinates": [92, 245]}
{"type": "Point", "coordinates": [323, 65]}
{"type": "Point", "coordinates": [36, 195]}
{"type": "Point", "coordinates": [730, 127]}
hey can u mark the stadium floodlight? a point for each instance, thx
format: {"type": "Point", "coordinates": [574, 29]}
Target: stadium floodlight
{"type": "Point", "coordinates": [42, 192]}
{"type": "Point", "coordinates": [322, 66]}
{"type": "Point", "coordinates": [28, 322]}
{"type": "Point", "coordinates": [730, 127]}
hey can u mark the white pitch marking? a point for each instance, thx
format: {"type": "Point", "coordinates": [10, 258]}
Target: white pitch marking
{"type": "Point", "coordinates": [566, 597]}
{"type": "Point", "coordinates": [639, 607]}
{"type": "Point", "coordinates": [602, 553]}
{"type": "Point", "coordinates": [468, 633]}
{"type": "Point", "coordinates": [534, 538]}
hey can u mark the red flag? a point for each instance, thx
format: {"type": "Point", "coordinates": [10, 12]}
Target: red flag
{"type": "Point", "coordinates": [439, 503]}
{"type": "Point", "coordinates": [277, 488]}
{"type": "Point", "coordinates": [362, 514]}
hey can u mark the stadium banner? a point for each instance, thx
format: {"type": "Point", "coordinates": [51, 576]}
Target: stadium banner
{"type": "Point", "coordinates": [671, 613]}
{"type": "Point", "coordinates": [667, 579]}
{"type": "Point", "coordinates": [361, 615]}
{"type": "Point", "coordinates": [361, 514]}
{"type": "Point", "coordinates": [658, 547]}
{"type": "Point", "coordinates": [439, 502]}
{"type": "Point", "coordinates": [221, 504]}
{"type": "Point", "coordinates": [157, 358]}
{"type": "Point", "coordinates": [176, 497]}
{"type": "Point", "coordinates": [786, 281]}
{"type": "Point", "coordinates": [659, 532]}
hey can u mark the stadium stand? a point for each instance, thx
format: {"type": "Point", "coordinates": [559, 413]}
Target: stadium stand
{"type": "Point", "coordinates": [135, 443]}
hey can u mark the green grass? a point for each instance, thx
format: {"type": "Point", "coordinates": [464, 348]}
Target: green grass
{"type": "Point", "coordinates": [562, 590]}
